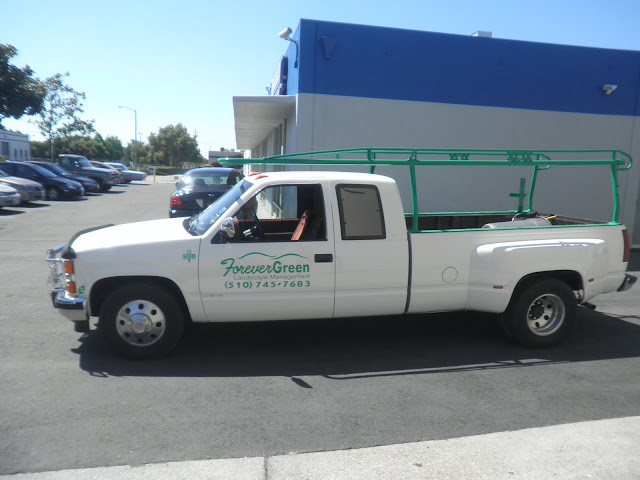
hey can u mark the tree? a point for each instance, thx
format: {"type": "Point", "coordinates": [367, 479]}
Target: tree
{"type": "Point", "coordinates": [114, 148]}
{"type": "Point", "coordinates": [20, 93]}
{"type": "Point", "coordinates": [92, 148]}
{"type": "Point", "coordinates": [142, 152]}
{"type": "Point", "coordinates": [60, 112]}
{"type": "Point", "coordinates": [39, 149]}
{"type": "Point", "coordinates": [173, 146]}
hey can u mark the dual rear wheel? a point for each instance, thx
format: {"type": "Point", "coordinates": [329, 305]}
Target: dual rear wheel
{"type": "Point", "coordinates": [541, 313]}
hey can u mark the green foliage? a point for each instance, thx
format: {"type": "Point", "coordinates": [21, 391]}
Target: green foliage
{"type": "Point", "coordinates": [62, 106]}
{"type": "Point", "coordinates": [142, 152]}
{"type": "Point", "coordinates": [40, 149]}
{"type": "Point", "coordinates": [114, 148]}
{"type": "Point", "coordinates": [170, 170]}
{"type": "Point", "coordinates": [172, 145]}
{"type": "Point", "coordinates": [20, 93]}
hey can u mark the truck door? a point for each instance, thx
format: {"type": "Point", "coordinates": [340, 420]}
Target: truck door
{"type": "Point", "coordinates": [280, 264]}
{"type": "Point", "coordinates": [372, 264]}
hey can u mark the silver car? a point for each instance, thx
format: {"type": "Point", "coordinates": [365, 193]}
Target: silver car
{"type": "Point", "coordinates": [129, 175]}
{"type": "Point", "coordinates": [28, 189]}
{"type": "Point", "coordinates": [9, 196]}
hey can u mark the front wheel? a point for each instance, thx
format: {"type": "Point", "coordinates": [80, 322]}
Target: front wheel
{"type": "Point", "coordinates": [142, 321]}
{"type": "Point", "coordinates": [541, 313]}
{"type": "Point", "coordinates": [54, 193]}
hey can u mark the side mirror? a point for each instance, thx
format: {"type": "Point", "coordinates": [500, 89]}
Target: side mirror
{"type": "Point", "coordinates": [228, 227]}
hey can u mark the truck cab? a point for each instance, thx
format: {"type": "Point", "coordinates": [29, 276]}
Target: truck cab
{"type": "Point", "coordinates": [80, 165]}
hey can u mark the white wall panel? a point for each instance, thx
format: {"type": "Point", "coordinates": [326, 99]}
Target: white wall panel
{"type": "Point", "coordinates": [331, 122]}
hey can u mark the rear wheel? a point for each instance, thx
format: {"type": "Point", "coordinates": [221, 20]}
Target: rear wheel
{"type": "Point", "coordinates": [541, 313]}
{"type": "Point", "coordinates": [142, 321]}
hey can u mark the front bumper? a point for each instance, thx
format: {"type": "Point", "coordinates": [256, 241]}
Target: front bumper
{"type": "Point", "coordinates": [71, 307]}
{"type": "Point", "coordinates": [628, 282]}
{"type": "Point", "coordinates": [10, 200]}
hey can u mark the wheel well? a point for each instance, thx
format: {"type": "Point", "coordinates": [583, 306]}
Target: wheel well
{"type": "Point", "coordinates": [102, 288]}
{"type": "Point", "coordinates": [571, 278]}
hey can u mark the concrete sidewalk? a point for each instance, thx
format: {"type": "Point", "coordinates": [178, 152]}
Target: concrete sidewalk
{"type": "Point", "coordinates": [604, 449]}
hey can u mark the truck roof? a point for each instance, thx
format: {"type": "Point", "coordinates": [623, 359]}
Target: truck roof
{"type": "Point", "coordinates": [317, 175]}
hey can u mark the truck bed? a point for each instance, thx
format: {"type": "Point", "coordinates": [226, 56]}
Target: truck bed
{"type": "Point", "coordinates": [470, 221]}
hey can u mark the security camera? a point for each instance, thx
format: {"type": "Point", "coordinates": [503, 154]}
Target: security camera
{"type": "Point", "coordinates": [285, 33]}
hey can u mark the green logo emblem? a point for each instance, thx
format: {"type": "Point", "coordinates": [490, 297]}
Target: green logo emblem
{"type": "Point", "coordinates": [189, 256]}
{"type": "Point", "coordinates": [81, 290]}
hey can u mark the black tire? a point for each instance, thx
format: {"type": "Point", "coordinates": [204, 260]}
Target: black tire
{"type": "Point", "coordinates": [142, 321]}
{"type": "Point", "coordinates": [104, 187]}
{"type": "Point", "coordinates": [54, 193]}
{"type": "Point", "coordinates": [541, 313]}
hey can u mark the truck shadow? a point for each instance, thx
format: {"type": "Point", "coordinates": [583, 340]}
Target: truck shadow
{"type": "Point", "coordinates": [344, 349]}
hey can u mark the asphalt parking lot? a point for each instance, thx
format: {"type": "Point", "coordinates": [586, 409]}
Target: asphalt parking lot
{"type": "Point", "coordinates": [261, 389]}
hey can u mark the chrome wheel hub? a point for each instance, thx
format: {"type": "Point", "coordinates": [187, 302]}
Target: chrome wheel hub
{"type": "Point", "coordinates": [546, 314]}
{"type": "Point", "coordinates": [140, 323]}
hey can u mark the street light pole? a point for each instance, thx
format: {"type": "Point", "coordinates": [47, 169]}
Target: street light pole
{"type": "Point", "coordinates": [135, 137]}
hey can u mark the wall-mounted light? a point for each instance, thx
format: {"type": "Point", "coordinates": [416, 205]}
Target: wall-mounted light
{"type": "Point", "coordinates": [609, 88]}
{"type": "Point", "coordinates": [284, 34]}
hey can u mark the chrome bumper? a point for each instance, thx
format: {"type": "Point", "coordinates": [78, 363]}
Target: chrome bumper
{"type": "Point", "coordinates": [628, 282]}
{"type": "Point", "coordinates": [73, 308]}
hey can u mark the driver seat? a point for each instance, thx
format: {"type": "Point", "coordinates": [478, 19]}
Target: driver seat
{"type": "Point", "coordinates": [302, 225]}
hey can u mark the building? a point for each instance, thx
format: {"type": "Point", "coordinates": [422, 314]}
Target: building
{"type": "Point", "coordinates": [344, 85]}
{"type": "Point", "coordinates": [14, 146]}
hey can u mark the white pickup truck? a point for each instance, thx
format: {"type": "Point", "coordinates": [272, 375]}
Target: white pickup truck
{"type": "Point", "coordinates": [320, 244]}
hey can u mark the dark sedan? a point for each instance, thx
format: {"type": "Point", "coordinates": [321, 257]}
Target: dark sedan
{"type": "Point", "coordinates": [199, 188]}
{"type": "Point", "coordinates": [56, 187]}
{"type": "Point", "coordinates": [88, 184]}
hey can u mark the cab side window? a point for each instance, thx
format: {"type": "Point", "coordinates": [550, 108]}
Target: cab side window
{"type": "Point", "coordinates": [283, 213]}
{"type": "Point", "coordinates": [361, 216]}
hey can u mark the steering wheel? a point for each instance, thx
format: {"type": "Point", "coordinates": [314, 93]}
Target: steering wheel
{"type": "Point", "coordinates": [259, 232]}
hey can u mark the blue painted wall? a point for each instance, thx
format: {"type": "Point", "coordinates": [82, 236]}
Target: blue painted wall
{"type": "Point", "coordinates": [386, 63]}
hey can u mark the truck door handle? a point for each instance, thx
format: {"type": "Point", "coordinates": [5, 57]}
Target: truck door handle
{"type": "Point", "coordinates": [323, 258]}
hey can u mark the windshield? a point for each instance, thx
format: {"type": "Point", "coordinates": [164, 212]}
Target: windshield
{"type": "Point", "coordinates": [200, 223]}
{"type": "Point", "coordinates": [44, 172]}
{"type": "Point", "coordinates": [84, 163]}
{"type": "Point", "coordinates": [55, 169]}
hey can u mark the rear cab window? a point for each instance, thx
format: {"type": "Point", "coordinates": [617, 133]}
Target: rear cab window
{"type": "Point", "coordinates": [361, 215]}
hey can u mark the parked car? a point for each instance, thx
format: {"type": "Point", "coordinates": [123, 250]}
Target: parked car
{"type": "Point", "coordinates": [200, 187]}
{"type": "Point", "coordinates": [80, 165]}
{"type": "Point", "coordinates": [56, 187]}
{"type": "Point", "coordinates": [87, 183]}
{"type": "Point", "coordinates": [129, 175]}
{"type": "Point", "coordinates": [9, 196]}
{"type": "Point", "coordinates": [118, 173]}
{"type": "Point", "coordinates": [28, 189]}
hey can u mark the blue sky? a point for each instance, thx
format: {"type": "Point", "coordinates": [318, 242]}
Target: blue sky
{"type": "Point", "coordinates": [183, 61]}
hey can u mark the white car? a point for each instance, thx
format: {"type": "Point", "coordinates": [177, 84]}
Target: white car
{"type": "Point", "coordinates": [9, 196]}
